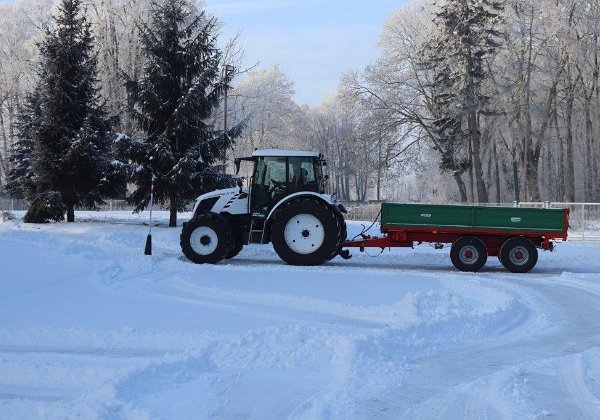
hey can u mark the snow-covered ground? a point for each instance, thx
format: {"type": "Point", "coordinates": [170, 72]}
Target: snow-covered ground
{"type": "Point", "coordinates": [92, 328]}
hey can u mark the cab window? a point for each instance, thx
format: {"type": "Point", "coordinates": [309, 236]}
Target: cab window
{"type": "Point", "coordinates": [302, 174]}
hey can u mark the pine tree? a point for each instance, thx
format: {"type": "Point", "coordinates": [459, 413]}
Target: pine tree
{"type": "Point", "coordinates": [468, 36]}
{"type": "Point", "coordinates": [172, 104]}
{"type": "Point", "coordinates": [20, 177]}
{"type": "Point", "coordinates": [70, 150]}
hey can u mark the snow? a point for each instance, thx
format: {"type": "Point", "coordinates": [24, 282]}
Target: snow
{"type": "Point", "coordinates": [283, 153]}
{"type": "Point", "coordinates": [92, 328]}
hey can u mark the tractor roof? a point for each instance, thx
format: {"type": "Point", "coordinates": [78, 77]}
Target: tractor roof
{"type": "Point", "coordinates": [284, 153]}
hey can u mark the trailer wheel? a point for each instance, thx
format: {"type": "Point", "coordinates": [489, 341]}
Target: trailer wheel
{"type": "Point", "coordinates": [518, 255]}
{"type": "Point", "coordinates": [468, 254]}
{"type": "Point", "coordinates": [206, 238]}
{"type": "Point", "coordinates": [306, 232]}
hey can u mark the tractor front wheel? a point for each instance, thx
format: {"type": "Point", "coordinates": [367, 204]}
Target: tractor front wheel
{"type": "Point", "coordinates": [306, 232]}
{"type": "Point", "coordinates": [206, 239]}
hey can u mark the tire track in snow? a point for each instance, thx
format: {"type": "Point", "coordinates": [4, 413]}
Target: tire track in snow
{"type": "Point", "coordinates": [573, 378]}
{"type": "Point", "coordinates": [573, 312]}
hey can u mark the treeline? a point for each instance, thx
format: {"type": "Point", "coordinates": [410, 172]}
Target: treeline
{"type": "Point", "coordinates": [505, 94]}
{"type": "Point", "coordinates": [469, 100]}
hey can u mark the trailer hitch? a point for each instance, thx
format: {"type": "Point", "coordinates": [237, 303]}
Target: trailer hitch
{"type": "Point", "coordinates": [345, 254]}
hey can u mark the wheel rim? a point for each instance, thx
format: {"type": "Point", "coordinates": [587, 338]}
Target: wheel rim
{"type": "Point", "coordinates": [519, 255]}
{"type": "Point", "coordinates": [304, 234]}
{"type": "Point", "coordinates": [204, 240]}
{"type": "Point", "coordinates": [468, 254]}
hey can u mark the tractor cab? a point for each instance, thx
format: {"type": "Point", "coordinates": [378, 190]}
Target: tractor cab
{"type": "Point", "coordinates": [278, 174]}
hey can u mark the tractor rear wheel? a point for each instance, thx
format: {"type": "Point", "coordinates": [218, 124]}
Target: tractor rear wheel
{"type": "Point", "coordinates": [469, 254]}
{"type": "Point", "coordinates": [206, 239]}
{"type": "Point", "coordinates": [306, 232]}
{"type": "Point", "coordinates": [343, 237]}
{"type": "Point", "coordinates": [518, 255]}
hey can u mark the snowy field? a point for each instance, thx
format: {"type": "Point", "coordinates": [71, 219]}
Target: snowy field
{"type": "Point", "coordinates": [92, 328]}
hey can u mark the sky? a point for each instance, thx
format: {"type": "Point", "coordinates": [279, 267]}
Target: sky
{"type": "Point", "coordinates": [313, 41]}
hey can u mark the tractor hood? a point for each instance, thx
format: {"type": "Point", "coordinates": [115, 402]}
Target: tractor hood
{"type": "Point", "coordinates": [219, 193]}
{"type": "Point", "coordinates": [222, 200]}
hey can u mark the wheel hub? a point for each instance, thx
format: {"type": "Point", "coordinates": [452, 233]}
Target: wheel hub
{"type": "Point", "coordinates": [469, 254]}
{"type": "Point", "coordinates": [204, 240]}
{"type": "Point", "coordinates": [519, 255]}
{"type": "Point", "coordinates": [304, 234]}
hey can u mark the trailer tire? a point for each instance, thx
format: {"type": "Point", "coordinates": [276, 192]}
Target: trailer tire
{"type": "Point", "coordinates": [518, 255]}
{"type": "Point", "coordinates": [206, 239]}
{"type": "Point", "coordinates": [469, 254]}
{"type": "Point", "coordinates": [306, 232]}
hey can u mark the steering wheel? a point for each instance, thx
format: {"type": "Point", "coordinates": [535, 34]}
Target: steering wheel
{"type": "Point", "coordinates": [278, 186]}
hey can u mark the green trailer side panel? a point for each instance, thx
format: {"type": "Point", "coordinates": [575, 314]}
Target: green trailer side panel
{"type": "Point", "coordinates": [473, 217]}
{"type": "Point", "coordinates": [422, 215]}
{"type": "Point", "coordinates": [511, 218]}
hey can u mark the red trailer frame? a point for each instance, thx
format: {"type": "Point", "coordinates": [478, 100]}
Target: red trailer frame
{"type": "Point", "coordinates": [407, 237]}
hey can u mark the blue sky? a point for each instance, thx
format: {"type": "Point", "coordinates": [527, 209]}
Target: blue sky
{"type": "Point", "coordinates": [313, 41]}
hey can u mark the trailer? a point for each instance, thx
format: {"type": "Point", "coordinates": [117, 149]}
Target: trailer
{"type": "Point", "coordinates": [513, 234]}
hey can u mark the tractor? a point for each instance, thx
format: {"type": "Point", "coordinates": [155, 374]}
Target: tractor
{"type": "Point", "coordinates": [285, 205]}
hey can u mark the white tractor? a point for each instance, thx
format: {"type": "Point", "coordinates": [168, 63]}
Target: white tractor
{"type": "Point", "coordinates": [285, 204]}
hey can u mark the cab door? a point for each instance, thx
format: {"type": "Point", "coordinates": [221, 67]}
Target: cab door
{"type": "Point", "coordinates": [269, 185]}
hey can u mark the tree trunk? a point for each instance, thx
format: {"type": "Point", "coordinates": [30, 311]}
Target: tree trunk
{"type": "Point", "coordinates": [570, 178]}
{"type": "Point", "coordinates": [497, 172]}
{"type": "Point", "coordinates": [462, 188]}
{"type": "Point", "coordinates": [471, 173]}
{"type": "Point", "coordinates": [549, 175]}
{"type": "Point", "coordinates": [533, 173]}
{"type": "Point", "coordinates": [589, 155]}
{"type": "Point", "coordinates": [346, 182]}
{"type": "Point", "coordinates": [70, 212]}
{"type": "Point", "coordinates": [5, 153]}
{"type": "Point", "coordinates": [173, 210]}
{"type": "Point", "coordinates": [482, 194]}
{"type": "Point", "coordinates": [527, 109]}
{"type": "Point", "coordinates": [379, 170]}
{"type": "Point", "coordinates": [516, 175]}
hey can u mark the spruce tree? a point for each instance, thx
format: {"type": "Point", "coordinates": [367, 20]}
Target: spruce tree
{"type": "Point", "coordinates": [70, 145]}
{"type": "Point", "coordinates": [468, 36]}
{"type": "Point", "coordinates": [20, 178]}
{"type": "Point", "coordinates": [173, 104]}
